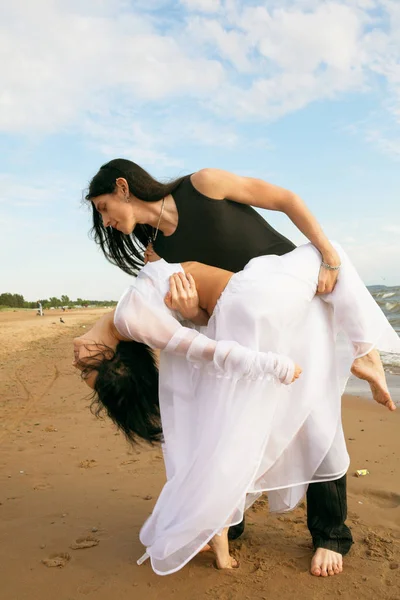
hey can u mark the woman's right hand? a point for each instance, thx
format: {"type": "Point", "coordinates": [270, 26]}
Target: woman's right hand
{"type": "Point", "coordinates": [297, 372]}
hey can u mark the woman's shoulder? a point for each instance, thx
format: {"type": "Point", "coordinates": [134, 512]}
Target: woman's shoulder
{"type": "Point", "coordinates": [210, 182]}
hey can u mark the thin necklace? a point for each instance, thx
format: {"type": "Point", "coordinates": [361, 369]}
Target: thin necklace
{"type": "Point", "coordinates": [153, 237]}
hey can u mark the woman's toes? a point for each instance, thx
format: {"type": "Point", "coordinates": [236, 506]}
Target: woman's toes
{"type": "Point", "coordinates": [330, 570]}
{"type": "Point", "coordinates": [232, 563]}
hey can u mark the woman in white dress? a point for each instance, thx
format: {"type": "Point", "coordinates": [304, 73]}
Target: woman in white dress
{"type": "Point", "coordinates": [230, 429]}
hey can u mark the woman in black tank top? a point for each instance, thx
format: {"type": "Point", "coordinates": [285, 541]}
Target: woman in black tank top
{"type": "Point", "coordinates": [209, 217]}
{"type": "Point", "coordinates": [206, 217]}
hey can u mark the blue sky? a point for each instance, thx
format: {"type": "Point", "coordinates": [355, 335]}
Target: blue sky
{"type": "Point", "coordinates": [302, 93]}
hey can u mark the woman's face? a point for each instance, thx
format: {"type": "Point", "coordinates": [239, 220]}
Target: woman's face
{"type": "Point", "coordinates": [84, 349]}
{"type": "Point", "coordinates": [117, 209]}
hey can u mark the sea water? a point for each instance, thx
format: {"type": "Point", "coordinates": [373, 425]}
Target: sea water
{"type": "Point", "coordinates": [388, 299]}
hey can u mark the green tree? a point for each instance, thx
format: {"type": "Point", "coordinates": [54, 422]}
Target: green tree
{"type": "Point", "coordinates": [53, 301]}
{"type": "Point", "coordinates": [12, 300]}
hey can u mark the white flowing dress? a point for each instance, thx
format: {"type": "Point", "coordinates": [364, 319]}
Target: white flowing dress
{"type": "Point", "coordinates": [232, 429]}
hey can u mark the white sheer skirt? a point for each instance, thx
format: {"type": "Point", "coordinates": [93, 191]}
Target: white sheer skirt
{"type": "Point", "coordinates": [228, 437]}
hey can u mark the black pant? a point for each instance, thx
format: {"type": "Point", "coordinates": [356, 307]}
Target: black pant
{"type": "Point", "coordinates": [326, 515]}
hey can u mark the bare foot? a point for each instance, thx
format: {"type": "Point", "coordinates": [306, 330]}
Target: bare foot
{"type": "Point", "coordinates": [205, 548]}
{"type": "Point", "coordinates": [326, 562]}
{"type": "Point", "coordinates": [231, 564]}
{"type": "Point", "coordinates": [220, 546]}
{"type": "Point", "coordinates": [370, 368]}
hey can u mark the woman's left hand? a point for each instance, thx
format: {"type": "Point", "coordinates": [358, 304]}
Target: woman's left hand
{"type": "Point", "coordinates": [183, 296]}
{"type": "Point", "coordinates": [327, 279]}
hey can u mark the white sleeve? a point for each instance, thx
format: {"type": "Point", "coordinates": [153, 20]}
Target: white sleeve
{"type": "Point", "coordinates": [143, 317]}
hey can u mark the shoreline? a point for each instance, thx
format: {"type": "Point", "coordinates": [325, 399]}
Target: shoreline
{"type": "Point", "coordinates": [360, 389]}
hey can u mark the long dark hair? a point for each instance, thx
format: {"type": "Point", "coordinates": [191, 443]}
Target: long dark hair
{"type": "Point", "coordinates": [125, 251]}
{"type": "Point", "coordinates": [126, 389]}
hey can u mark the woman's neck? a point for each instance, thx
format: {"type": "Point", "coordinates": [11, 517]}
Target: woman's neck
{"type": "Point", "coordinates": [170, 218]}
{"type": "Point", "coordinates": [151, 212]}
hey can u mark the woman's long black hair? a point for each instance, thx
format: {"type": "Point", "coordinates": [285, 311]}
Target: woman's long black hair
{"type": "Point", "coordinates": [126, 389]}
{"type": "Point", "coordinates": [125, 251]}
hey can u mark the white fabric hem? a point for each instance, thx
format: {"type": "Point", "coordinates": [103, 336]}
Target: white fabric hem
{"type": "Point", "coordinates": [236, 522]}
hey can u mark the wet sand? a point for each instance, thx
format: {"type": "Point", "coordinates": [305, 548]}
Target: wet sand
{"type": "Point", "coordinates": [74, 494]}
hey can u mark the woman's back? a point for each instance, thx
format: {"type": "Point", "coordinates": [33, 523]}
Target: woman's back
{"type": "Point", "coordinates": [218, 232]}
{"type": "Point", "coordinates": [210, 283]}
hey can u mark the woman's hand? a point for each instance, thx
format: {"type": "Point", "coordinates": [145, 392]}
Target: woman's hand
{"type": "Point", "coordinates": [327, 279]}
{"type": "Point", "coordinates": [297, 372]}
{"type": "Point", "coordinates": [183, 296]}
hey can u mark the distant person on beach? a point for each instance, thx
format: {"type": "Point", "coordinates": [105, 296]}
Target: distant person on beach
{"type": "Point", "coordinates": [230, 429]}
{"type": "Point", "coordinates": [209, 217]}
{"type": "Point", "coordinates": [40, 309]}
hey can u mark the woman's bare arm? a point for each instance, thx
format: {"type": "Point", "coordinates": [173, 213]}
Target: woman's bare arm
{"type": "Point", "coordinates": [219, 185]}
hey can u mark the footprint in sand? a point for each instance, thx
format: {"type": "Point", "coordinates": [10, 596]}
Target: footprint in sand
{"type": "Point", "coordinates": [58, 559]}
{"type": "Point", "coordinates": [42, 486]}
{"type": "Point", "coordinates": [384, 499]}
{"type": "Point", "coordinates": [87, 463]}
{"type": "Point", "coordinates": [84, 542]}
{"type": "Point", "coordinates": [378, 547]}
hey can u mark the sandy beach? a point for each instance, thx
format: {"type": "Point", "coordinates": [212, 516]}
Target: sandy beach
{"type": "Point", "coordinates": [73, 495]}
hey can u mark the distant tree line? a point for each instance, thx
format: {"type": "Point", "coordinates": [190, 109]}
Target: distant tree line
{"type": "Point", "coordinates": [18, 301]}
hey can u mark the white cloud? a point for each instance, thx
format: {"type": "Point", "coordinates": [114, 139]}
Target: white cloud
{"type": "Point", "coordinates": [55, 64]}
{"type": "Point", "coordinates": [230, 45]}
{"type": "Point", "coordinates": [119, 133]}
{"type": "Point", "coordinates": [61, 64]}
{"type": "Point", "coordinates": [305, 56]}
{"type": "Point", "coordinates": [206, 6]}
{"type": "Point", "coordinates": [392, 229]}
{"type": "Point", "coordinates": [300, 41]}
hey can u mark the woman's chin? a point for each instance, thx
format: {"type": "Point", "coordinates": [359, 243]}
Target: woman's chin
{"type": "Point", "coordinates": [123, 229]}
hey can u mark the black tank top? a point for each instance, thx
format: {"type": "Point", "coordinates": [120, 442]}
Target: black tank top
{"type": "Point", "coordinates": [221, 233]}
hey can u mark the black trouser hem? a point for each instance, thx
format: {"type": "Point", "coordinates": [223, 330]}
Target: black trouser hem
{"type": "Point", "coordinates": [326, 515]}
{"type": "Point", "coordinates": [236, 531]}
{"type": "Point", "coordinates": [340, 545]}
